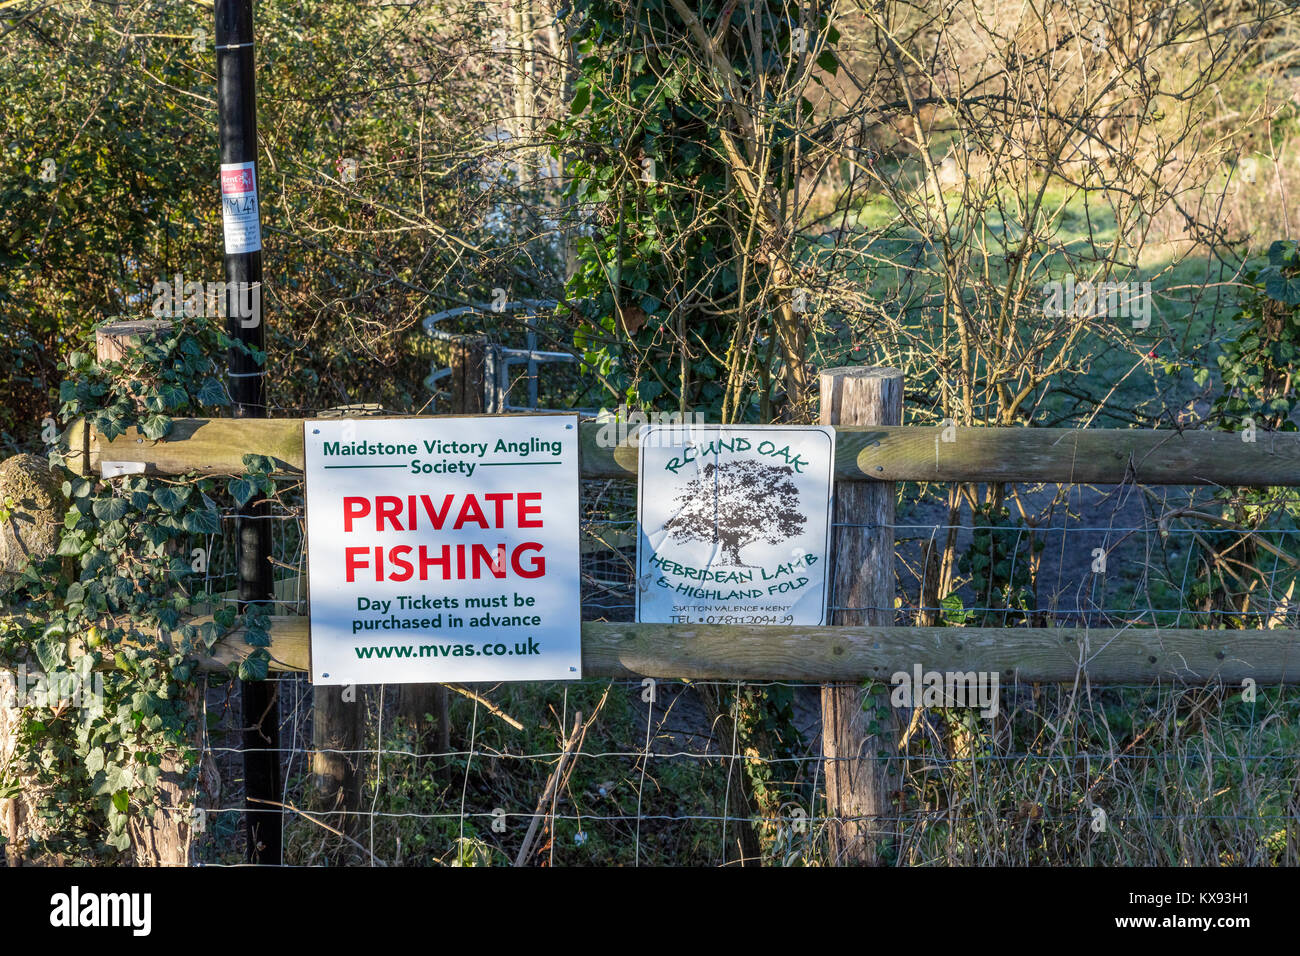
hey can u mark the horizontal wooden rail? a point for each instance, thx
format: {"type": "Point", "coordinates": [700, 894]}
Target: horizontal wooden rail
{"type": "Point", "coordinates": [829, 654]}
{"type": "Point", "coordinates": [884, 453]}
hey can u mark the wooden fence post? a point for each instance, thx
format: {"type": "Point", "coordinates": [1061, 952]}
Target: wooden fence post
{"type": "Point", "coordinates": [337, 734]}
{"type": "Point", "coordinates": [860, 785]}
{"type": "Point", "coordinates": [415, 702]}
{"type": "Point", "coordinates": [338, 726]}
{"type": "Point", "coordinates": [164, 839]}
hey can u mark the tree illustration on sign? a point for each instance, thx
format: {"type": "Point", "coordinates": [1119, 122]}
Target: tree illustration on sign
{"type": "Point", "coordinates": [736, 504]}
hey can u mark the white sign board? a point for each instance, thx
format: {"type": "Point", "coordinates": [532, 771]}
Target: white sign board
{"type": "Point", "coordinates": [733, 523]}
{"type": "Point", "coordinates": [443, 549]}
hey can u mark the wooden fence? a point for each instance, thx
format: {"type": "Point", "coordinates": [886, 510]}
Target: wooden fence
{"type": "Point", "coordinates": [863, 453]}
{"type": "Point", "coordinates": [862, 642]}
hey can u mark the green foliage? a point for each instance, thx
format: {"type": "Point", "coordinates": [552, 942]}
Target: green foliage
{"type": "Point", "coordinates": [953, 612]}
{"type": "Point", "coordinates": [1000, 563]}
{"type": "Point", "coordinates": [635, 111]}
{"type": "Point", "coordinates": [662, 279]}
{"type": "Point", "coordinates": [1258, 395]}
{"type": "Point", "coordinates": [107, 186]}
{"type": "Point", "coordinates": [765, 726]}
{"type": "Point", "coordinates": [1258, 365]}
{"type": "Point", "coordinates": [1281, 277]}
{"type": "Point", "coordinates": [116, 605]}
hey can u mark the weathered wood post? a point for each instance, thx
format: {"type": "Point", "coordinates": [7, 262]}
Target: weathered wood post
{"type": "Point", "coordinates": [416, 702]}
{"type": "Point", "coordinates": [338, 722]}
{"type": "Point", "coordinates": [164, 839]}
{"type": "Point", "coordinates": [859, 784]}
{"type": "Point", "coordinates": [337, 734]}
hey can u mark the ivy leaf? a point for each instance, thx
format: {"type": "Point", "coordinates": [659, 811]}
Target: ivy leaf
{"type": "Point", "coordinates": [50, 654]}
{"type": "Point", "coordinates": [212, 392]}
{"type": "Point", "coordinates": [93, 560]}
{"type": "Point", "coordinates": [173, 397]}
{"type": "Point", "coordinates": [71, 546]}
{"type": "Point", "coordinates": [95, 761]}
{"type": "Point", "coordinates": [122, 801]}
{"type": "Point", "coordinates": [241, 489]}
{"type": "Point", "coordinates": [160, 533]}
{"type": "Point", "coordinates": [259, 464]}
{"type": "Point", "coordinates": [120, 841]}
{"type": "Point", "coordinates": [109, 424]}
{"type": "Point", "coordinates": [1283, 289]}
{"type": "Point", "coordinates": [156, 426]}
{"type": "Point", "coordinates": [1281, 252]}
{"type": "Point", "coordinates": [110, 509]}
{"type": "Point", "coordinates": [172, 497]}
{"type": "Point", "coordinates": [202, 522]}
{"type": "Point", "coordinates": [828, 62]}
{"type": "Point", "coordinates": [209, 633]}
{"type": "Point", "coordinates": [253, 667]}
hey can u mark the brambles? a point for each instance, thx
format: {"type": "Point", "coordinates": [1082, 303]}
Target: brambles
{"type": "Point", "coordinates": [1238, 576]}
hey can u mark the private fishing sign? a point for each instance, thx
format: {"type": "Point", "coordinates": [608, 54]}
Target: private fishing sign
{"type": "Point", "coordinates": [443, 549]}
{"type": "Point", "coordinates": [733, 524]}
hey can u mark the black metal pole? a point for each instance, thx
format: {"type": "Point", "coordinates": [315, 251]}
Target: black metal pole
{"type": "Point", "coordinates": [241, 218]}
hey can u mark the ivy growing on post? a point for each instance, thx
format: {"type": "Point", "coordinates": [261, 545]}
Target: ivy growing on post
{"type": "Point", "coordinates": [120, 611]}
{"type": "Point", "coordinates": [687, 136]}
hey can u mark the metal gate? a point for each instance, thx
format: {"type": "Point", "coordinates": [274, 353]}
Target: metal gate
{"type": "Point", "coordinates": [499, 360]}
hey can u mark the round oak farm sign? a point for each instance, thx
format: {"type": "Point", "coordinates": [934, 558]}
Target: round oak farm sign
{"type": "Point", "coordinates": [734, 523]}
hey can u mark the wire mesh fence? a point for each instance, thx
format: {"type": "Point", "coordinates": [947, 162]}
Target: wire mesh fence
{"type": "Point", "coordinates": [649, 771]}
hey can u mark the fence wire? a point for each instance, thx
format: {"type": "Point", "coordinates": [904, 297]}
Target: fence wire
{"type": "Point", "coordinates": [637, 772]}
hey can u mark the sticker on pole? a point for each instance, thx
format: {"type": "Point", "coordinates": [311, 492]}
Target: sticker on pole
{"type": "Point", "coordinates": [443, 549]}
{"type": "Point", "coordinates": [733, 524]}
{"type": "Point", "coordinates": [239, 214]}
